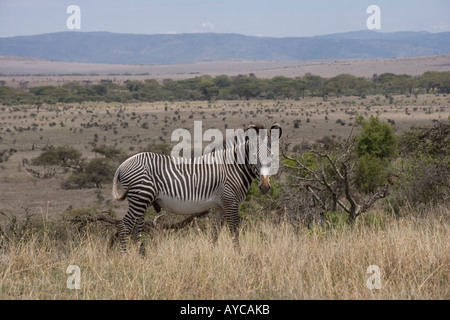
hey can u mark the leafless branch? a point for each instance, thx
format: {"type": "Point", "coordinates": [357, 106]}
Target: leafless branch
{"type": "Point", "coordinates": [149, 226]}
{"type": "Point", "coordinates": [332, 179]}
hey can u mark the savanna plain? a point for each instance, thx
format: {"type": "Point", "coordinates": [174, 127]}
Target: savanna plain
{"type": "Point", "coordinates": [278, 260]}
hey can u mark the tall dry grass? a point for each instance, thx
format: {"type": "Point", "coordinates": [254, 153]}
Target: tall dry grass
{"type": "Point", "coordinates": [276, 262]}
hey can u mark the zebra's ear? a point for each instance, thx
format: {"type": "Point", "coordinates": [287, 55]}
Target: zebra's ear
{"type": "Point", "coordinates": [253, 127]}
{"type": "Point", "coordinates": [277, 126]}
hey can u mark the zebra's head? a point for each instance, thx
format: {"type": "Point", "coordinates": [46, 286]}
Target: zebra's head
{"type": "Point", "coordinates": [264, 153]}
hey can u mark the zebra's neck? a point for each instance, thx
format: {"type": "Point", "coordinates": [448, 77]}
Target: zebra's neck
{"type": "Point", "coordinates": [232, 158]}
{"type": "Point", "coordinates": [232, 154]}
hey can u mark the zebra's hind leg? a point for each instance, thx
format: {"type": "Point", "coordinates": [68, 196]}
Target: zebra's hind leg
{"type": "Point", "coordinates": [137, 234]}
{"type": "Point", "coordinates": [125, 227]}
{"type": "Point", "coordinates": [132, 222]}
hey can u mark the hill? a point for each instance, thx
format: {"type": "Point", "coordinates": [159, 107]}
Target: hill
{"type": "Point", "coordinates": [113, 48]}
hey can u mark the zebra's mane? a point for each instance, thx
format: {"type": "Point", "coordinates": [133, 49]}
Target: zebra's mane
{"type": "Point", "coordinates": [240, 147]}
{"type": "Point", "coordinates": [238, 144]}
{"type": "Point", "coordinates": [241, 141]}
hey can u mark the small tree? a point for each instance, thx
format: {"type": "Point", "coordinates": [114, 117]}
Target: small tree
{"type": "Point", "coordinates": [322, 180]}
{"type": "Point", "coordinates": [65, 156]}
{"type": "Point", "coordinates": [110, 152]}
{"type": "Point", "coordinates": [376, 138]}
{"type": "Point", "coordinates": [93, 174]}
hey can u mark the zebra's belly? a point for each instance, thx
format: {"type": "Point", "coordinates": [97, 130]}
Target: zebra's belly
{"type": "Point", "coordinates": [185, 206]}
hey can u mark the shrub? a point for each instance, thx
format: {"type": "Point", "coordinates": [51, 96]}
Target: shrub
{"type": "Point", "coordinates": [93, 174]}
{"type": "Point", "coordinates": [371, 172]}
{"type": "Point", "coordinates": [376, 138]}
{"type": "Point", "coordinates": [65, 156]}
{"type": "Point", "coordinates": [110, 152]}
{"type": "Point", "coordinates": [375, 148]}
{"type": "Point", "coordinates": [426, 154]}
{"type": "Point", "coordinates": [323, 182]}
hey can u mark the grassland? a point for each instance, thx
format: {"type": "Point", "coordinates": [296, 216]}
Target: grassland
{"type": "Point", "coordinates": [277, 260]}
{"type": "Point", "coordinates": [136, 127]}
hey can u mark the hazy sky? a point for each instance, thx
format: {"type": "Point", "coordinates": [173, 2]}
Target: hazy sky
{"type": "Point", "coordinates": [275, 18]}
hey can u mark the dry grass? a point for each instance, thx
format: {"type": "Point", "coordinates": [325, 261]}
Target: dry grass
{"type": "Point", "coordinates": [277, 262]}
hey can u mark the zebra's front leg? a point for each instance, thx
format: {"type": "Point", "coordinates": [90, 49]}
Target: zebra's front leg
{"type": "Point", "coordinates": [217, 222]}
{"type": "Point", "coordinates": [232, 218]}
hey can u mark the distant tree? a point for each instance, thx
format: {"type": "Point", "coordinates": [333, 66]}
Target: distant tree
{"type": "Point", "coordinates": [222, 81]}
{"type": "Point", "coordinates": [224, 87]}
{"type": "Point", "coordinates": [445, 83]}
{"type": "Point", "coordinates": [14, 96]}
{"type": "Point", "coordinates": [342, 84]}
{"type": "Point", "coordinates": [300, 87]}
{"type": "Point", "coordinates": [50, 94]}
{"type": "Point", "coordinates": [100, 89]}
{"type": "Point", "coordinates": [65, 156]}
{"type": "Point", "coordinates": [96, 172]}
{"type": "Point", "coordinates": [434, 80]}
{"type": "Point", "coordinates": [282, 87]}
{"type": "Point", "coordinates": [246, 87]}
{"type": "Point", "coordinates": [385, 82]}
{"type": "Point", "coordinates": [430, 80]}
{"type": "Point", "coordinates": [133, 85]}
{"type": "Point", "coordinates": [110, 152]}
{"type": "Point", "coordinates": [209, 89]}
{"type": "Point", "coordinates": [363, 87]}
{"type": "Point", "coordinates": [313, 83]}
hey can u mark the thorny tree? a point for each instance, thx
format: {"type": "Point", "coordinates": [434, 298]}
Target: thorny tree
{"type": "Point", "coordinates": [322, 179]}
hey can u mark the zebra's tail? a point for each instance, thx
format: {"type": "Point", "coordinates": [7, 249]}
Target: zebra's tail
{"type": "Point", "coordinates": [115, 195]}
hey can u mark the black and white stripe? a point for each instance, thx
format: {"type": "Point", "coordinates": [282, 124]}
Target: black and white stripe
{"type": "Point", "coordinates": [186, 186]}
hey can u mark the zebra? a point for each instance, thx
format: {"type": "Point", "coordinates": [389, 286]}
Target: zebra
{"type": "Point", "coordinates": [183, 186]}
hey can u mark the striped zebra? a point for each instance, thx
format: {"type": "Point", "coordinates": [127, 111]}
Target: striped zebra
{"type": "Point", "coordinates": [187, 186]}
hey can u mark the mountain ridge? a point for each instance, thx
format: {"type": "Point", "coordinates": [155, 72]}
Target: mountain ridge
{"type": "Point", "coordinates": [159, 49]}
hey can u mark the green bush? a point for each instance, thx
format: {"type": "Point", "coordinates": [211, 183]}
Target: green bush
{"type": "Point", "coordinates": [239, 87]}
{"type": "Point", "coordinates": [376, 138]}
{"type": "Point", "coordinates": [65, 156]}
{"type": "Point", "coordinates": [426, 164]}
{"type": "Point", "coordinates": [92, 175]}
{"type": "Point", "coordinates": [375, 148]}
{"type": "Point", "coordinates": [371, 172]}
{"type": "Point", "coordinates": [110, 152]}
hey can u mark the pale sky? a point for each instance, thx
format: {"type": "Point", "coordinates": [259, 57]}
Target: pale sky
{"type": "Point", "coordinates": [274, 18]}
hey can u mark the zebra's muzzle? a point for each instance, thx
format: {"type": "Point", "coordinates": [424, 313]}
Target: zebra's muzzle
{"type": "Point", "coordinates": [264, 184]}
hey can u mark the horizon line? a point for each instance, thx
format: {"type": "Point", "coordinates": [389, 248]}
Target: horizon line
{"type": "Point", "coordinates": [226, 33]}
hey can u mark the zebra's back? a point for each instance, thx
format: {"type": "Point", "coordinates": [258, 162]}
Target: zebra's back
{"type": "Point", "coordinates": [179, 185]}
